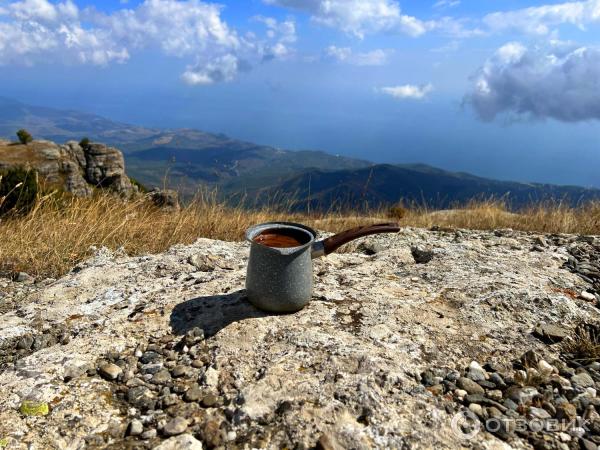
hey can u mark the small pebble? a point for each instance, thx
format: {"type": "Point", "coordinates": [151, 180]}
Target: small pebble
{"type": "Point", "coordinates": [460, 394]}
{"type": "Point", "coordinates": [176, 426]}
{"type": "Point", "coordinates": [588, 296]}
{"type": "Point", "coordinates": [545, 369]}
{"type": "Point", "coordinates": [109, 371]}
{"type": "Point", "coordinates": [193, 394]}
{"type": "Point", "coordinates": [161, 377]}
{"type": "Point", "coordinates": [582, 380]}
{"type": "Point", "coordinates": [149, 434]}
{"type": "Point", "coordinates": [477, 409]}
{"type": "Point", "coordinates": [469, 385]}
{"type": "Point", "coordinates": [135, 428]}
{"type": "Point", "coordinates": [209, 400]}
{"type": "Point", "coordinates": [495, 395]}
{"type": "Point", "coordinates": [197, 363]}
{"type": "Point", "coordinates": [539, 413]}
{"type": "Point", "coordinates": [180, 371]}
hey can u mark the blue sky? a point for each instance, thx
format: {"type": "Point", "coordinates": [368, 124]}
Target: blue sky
{"type": "Point", "coordinates": [501, 88]}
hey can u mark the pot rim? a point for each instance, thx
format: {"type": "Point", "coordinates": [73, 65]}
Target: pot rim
{"type": "Point", "coordinates": [255, 230]}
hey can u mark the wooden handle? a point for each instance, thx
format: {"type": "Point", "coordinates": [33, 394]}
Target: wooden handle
{"type": "Point", "coordinates": [331, 244]}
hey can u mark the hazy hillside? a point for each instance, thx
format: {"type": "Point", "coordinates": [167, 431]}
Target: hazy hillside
{"type": "Point", "coordinates": [235, 166]}
{"type": "Point", "coordinates": [387, 184]}
{"type": "Point", "coordinates": [184, 158]}
{"type": "Point", "coordinates": [63, 125]}
{"type": "Point", "coordinates": [187, 158]}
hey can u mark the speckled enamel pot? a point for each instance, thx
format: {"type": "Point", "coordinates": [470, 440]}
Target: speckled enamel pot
{"type": "Point", "coordinates": [281, 279]}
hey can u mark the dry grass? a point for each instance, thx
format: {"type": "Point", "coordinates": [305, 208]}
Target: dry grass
{"type": "Point", "coordinates": [490, 215]}
{"type": "Point", "coordinates": [583, 345]}
{"type": "Point", "coordinates": [60, 232]}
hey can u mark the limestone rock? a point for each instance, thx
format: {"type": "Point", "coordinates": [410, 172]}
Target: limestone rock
{"type": "Point", "coordinates": [70, 167]}
{"type": "Point", "coordinates": [105, 167]}
{"type": "Point", "coordinates": [176, 426]}
{"type": "Point", "coordinates": [164, 198]}
{"type": "Point", "coordinates": [183, 442]}
{"type": "Point", "coordinates": [110, 371]}
{"type": "Point", "coordinates": [550, 333]}
{"type": "Point", "coordinates": [342, 372]}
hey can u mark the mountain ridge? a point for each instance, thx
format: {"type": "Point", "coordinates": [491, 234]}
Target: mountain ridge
{"type": "Point", "coordinates": [188, 159]}
{"type": "Point", "coordinates": [387, 184]}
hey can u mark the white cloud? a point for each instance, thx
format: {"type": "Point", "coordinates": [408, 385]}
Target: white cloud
{"type": "Point", "coordinates": [446, 4]}
{"type": "Point", "coordinates": [281, 33]}
{"type": "Point", "coordinates": [34, 31]}
{"type": "Point", "coordinates": [559, 80]}
{"type": "Point", "coordinates": [358, 17]}
{"type": "Point", "coordinates": [539, 20]}
{"type": "Point", "coordinates": [223, 68]}
{"type": "Point", "coordinates": [338, 53]}
{"type": "Point", "coordinates": [377, 57]}
{"type": "Point", "coordinates": [408, 91]}
{"type": "Point", "coordinates": [37, 30]}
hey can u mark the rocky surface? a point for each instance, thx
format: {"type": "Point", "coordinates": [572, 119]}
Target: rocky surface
{"type": "Point", "coordinates": [164, 351]}
{"type": "Point", "coordinates": [585, 262]}
{"type": "Point", "coordinates": [70, 167]}
{"type": "Point", "coordinates": [552, 406]}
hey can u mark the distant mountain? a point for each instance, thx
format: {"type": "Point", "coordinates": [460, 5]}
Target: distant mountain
{"type": "Point", "coordinates": [235, 166]}
{"type": "Point", "coordinates": [63, 125]}
{"type": "Point", "coordinates": [184, 158]}
{"type": "Point", "coordinates": [385, 184]}
{"type": "Point", "coordinates": [187, 159]}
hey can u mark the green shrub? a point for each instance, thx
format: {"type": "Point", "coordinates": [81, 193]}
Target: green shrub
{"type": "Point", "coordinates": [84, 142]}
{"type": "Point", "coordinates": [24, 136]}
{"type": "Point", "coordinates": [143, 189]}
{"type": "Point", "coordinates": [18, 190]}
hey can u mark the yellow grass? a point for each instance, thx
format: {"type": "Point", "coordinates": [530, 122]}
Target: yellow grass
{"type": "Point", "coordinates": [551, 217]}
{"type": "Point", "coordinates": [60, 232]}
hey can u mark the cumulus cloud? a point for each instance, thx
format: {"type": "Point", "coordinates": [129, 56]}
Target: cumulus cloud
{"type": "Point", "coordinates": [358, 17]}
{"type": "Point", "coordinates": [223, 68]}
{"type": "Point", "coordinates": [408, 91]}
{"type": "Point", "coordinates": [34, 31]}
{"type": "Point", "coordinates": [281, 34]}
{"type": "Point", "coordinates": [362, 17]}
{"type": "Point", "coordinates": [377, 57]}
{"type": "Point", "coordinates": [559, 81]}
{"type": "Point", "coordinates": [539, 20]}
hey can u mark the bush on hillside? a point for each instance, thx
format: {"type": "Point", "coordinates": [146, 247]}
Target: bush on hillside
{"type": "Point", "coordinates": [18, 190]}
{"type": "Point", "coordinates": [398, 211]}
{"type": "Point", "coordinates": [143, 189]}
{"type": "Point", "coordinates": [24, 136]}
{"type": "Point", "coordinates": [84, 142]}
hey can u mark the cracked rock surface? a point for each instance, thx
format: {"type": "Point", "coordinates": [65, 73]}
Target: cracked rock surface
{"type": "Point", "coordinates": [138, 352]}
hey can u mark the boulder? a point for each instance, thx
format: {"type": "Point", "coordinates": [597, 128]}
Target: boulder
{"type": "Point", "coordinates": [105, 168]}
{"type": "Point", "coordinates": [164, 198]}
{"type": "Point", "coordinates": [69, 167]}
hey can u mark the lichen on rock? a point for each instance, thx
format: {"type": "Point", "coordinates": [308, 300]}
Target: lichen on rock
{"type": "Point", "coordinates": [32, 408]}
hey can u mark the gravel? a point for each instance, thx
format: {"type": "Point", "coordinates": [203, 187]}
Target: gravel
{"type": "Point", "coordinates": [561, 396]}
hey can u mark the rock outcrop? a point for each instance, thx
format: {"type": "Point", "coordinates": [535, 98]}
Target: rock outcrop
{"type": "Point", "coordinates": [70, 167]}
{"type": "Point", "coordinates": [161, 352]}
